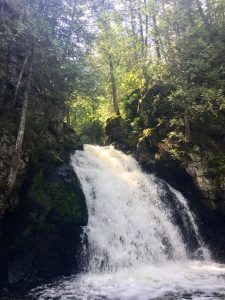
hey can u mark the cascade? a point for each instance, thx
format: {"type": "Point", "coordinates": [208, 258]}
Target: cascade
{"type": "Point", "coordinates": [132, 220]}
{"type": "Point", "coordinates": [143, 241]}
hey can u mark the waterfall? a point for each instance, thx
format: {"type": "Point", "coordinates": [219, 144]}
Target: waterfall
{"type": "Point", "coordinates": [142, 238]}
{"type": "Point", "coordinates": [134, 218]}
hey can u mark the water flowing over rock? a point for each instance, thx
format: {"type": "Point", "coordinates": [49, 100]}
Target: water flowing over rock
{"type": "Point", "coordinates": [133, 217]}
{"type": "Point", "coordinates": [142, 239]}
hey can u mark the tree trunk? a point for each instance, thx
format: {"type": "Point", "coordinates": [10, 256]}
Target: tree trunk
{"type": "Point", "coordinates": [20, 79]}
{"type": "Point", "coordinates": [146, 27]}
{"type": "Point", "coordinates": [114, 86]}
{"type": "Point", "coordinates": [187, 127]}
{"type": "Point", "coordinates": [156, 34]}
{"type": "Point", "coordinates": [202, 15]}
{"type": "Point", "coordinates": [69, 35]}
{"type": "Point", "coordinates": [19, 141]}
{"type": "Point", "coordinates": [7, 75]}
{"type": "Point", "coordinates": [133, 29]}
{"type": "Point", "coordinates": [132, 18]}
{"type": "Point", "coordinates": [144, 41]}
{"type": "Point", "coordinates": [68, 115]}
{"type": "Point", "coordinates": [141, 29]}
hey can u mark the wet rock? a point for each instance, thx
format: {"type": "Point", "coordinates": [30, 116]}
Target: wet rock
{"type": "Point", "coordinates": [198, 171]}
{"type": "Point", "coordinates": [119, 134]}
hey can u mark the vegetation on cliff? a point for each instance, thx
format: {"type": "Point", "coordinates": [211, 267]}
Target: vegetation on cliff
{"type": "Point", "coordinates": [44, 62]}
{"type": "Point", "coordinates": [169, 70]}
{"type": "Point", "coordinates": [157, 64]}
{"type": "Point", "coordinates": [148, 74]}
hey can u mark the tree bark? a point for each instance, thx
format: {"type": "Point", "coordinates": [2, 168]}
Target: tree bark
{"type": "Point", "coordinates": [187, 127]}
{"type": "Point", "coordinates": [132, 18]}
{"type": "Point", "coordinates": [133, 29]}
{"type": "Point", "coordinates": [156, 39]}
{"type": "Point", "coordinates": [20, 79]}
{"type": "Point", "coordinates": [114, 86]}
{"type": "Point", "coordinates": [141, 29]}
{"type": "Point", "coordinates": [202, 15]}
{"type": "Point", "coordinates": [146, 27]}
{"type": "Point", "coordinates": [7, 75]}
{"type": "Point", "coordinates": [68, 121]}
{"type": "Point", "coordinates": [19, 141]}
{"type": "Point", "coordinates": [68, 39]}
{"type": "Point", "coordinates": [144, 41]}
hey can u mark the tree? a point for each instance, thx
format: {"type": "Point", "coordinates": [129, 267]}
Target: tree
{"type": "Point", "coordinates": [44, 44]}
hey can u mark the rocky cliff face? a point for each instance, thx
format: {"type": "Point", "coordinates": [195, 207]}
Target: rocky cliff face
{"type": "Point", "coordinates": [199, 175]}
{"type": "Point", "coordinates": [41, 224]}
{"type": "Point", "coordinates": [199, 164]}
{"type": "Point", "coordinates": [207, 179]}
{"type": "Point", "coordinates": [159, 132]}
{"type": "Point", "coordinates": [42, 237]}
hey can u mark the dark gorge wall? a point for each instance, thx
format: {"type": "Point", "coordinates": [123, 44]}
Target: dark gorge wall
{"type": "Point", "coordinates": [41, 225]}
{"type": "Point", "coordinates": [155, 135]}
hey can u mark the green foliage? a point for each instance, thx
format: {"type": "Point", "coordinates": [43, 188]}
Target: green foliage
{"type": "Point", "coordinates": [146, 134]}
{"type": "Point", "coordinates": [173, 145]}
{"type": "Point", "coordinates": [72, 142]}
{"type": "Point", "coordinates": [216, 165]}
{"type": "Point", "coordinates": [52, 156]}
{"type": "Point", "coordinates": [168, 68]}
{"type": "Point", "coordinates": [88, 118]}
{"type": "Point", "coordinates": [52, 199]}
{"type": "Point", "coordinates": [218, 162]}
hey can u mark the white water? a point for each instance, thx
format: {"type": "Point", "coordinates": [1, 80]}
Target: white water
{"type": "Point", "coordinates": [136, 250]}
{"type": "Point", "coordinates": [128, 223]}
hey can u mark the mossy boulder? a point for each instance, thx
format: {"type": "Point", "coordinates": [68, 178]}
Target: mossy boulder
{"type": "Point", "coordinates": [119, 133]}
{"type": "Point", "coordinates": [55, 198]}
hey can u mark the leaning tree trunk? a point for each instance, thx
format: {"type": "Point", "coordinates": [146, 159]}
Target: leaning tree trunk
{"type": "Point", "coordinates": [19, 141]}
{"type": "Point", "coordinates": [114, 86]}
{"type": "Point", "coordinates": [20, 79]}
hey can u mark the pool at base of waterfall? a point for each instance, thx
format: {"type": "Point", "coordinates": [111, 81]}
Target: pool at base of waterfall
{"type": "Point", "coordinates": [187, 280]}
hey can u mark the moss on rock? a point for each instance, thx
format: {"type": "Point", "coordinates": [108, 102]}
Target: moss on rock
{"type": "Point", "coordinates": [48, 197]}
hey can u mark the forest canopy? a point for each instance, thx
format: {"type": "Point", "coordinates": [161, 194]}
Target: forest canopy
{"type": "Point", "coordinates": [92, 59]}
